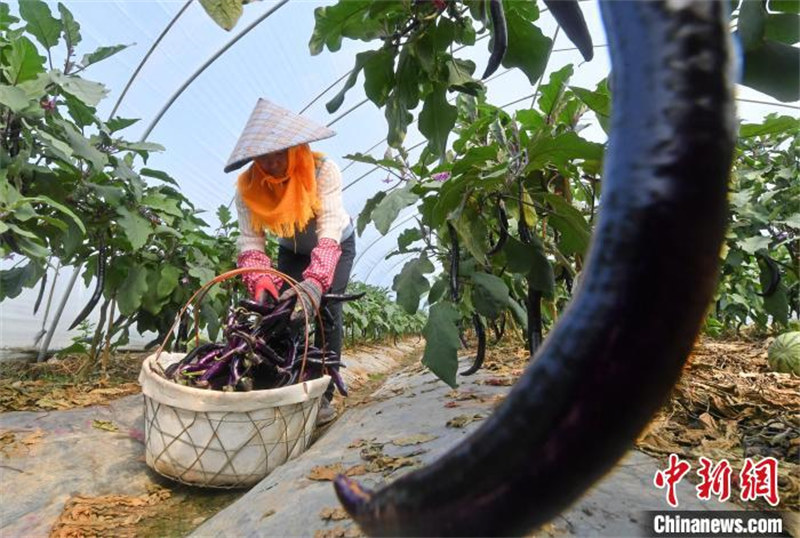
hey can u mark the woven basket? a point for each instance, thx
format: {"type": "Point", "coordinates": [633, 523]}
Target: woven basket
{"type": "Point", "coordinates": [224, 439]}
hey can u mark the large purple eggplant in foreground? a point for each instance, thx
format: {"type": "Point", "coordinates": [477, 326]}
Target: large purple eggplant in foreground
{"type": "Point", "coordinates": [613, 357]}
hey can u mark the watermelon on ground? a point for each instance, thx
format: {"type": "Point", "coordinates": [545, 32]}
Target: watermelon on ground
{"type": "Point", "coordinates": [784, 353]}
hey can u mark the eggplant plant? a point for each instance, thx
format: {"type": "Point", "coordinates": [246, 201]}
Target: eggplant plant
{"type": "Point", "coordinates": [507, 216]}
{"type": "Point", "coordinates": [74, 190]}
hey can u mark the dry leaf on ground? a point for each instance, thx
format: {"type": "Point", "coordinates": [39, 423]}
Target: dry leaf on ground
{"type": "Point", "coordinates": [462, 420]}
{"type": "Point", "coordinates": [107, 516]}
{"type": "Point", "coordinates": [329, 472]}
{"type": "Point", "coordinates": [338, 532]}
{"type": "Point", "coordinates": [106, 425]}
{"type": "Point", "coordinates": [728, 404]}
{"type": "Point", "coordinates": [413, 439]}
{"type": "Point", "coordinates": [333, 514]}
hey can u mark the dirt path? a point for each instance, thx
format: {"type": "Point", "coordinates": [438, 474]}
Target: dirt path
{"type": "Point", "coordinates": [81, 471]}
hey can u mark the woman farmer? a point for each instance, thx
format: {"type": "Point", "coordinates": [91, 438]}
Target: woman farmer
{"type": "Point", "coordinates": [295, 194]}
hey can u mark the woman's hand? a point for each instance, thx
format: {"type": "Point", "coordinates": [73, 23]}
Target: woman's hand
{"type": "Point", "coordinates": [309, 296]}
{"type": "Point", "coordinates": [259, 285]}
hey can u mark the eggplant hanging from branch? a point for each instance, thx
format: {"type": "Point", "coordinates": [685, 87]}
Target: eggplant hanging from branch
{"type": "Point", "coordinates": [567, 14]}
{"type": "Point", "coordinates": [480, 332]}
{"type": "Point", "coordinates": [569, 17]}
{"type": "Point", "coordinates": [774, 276]}
{"type": "Point", "coordinates": [610, 361]}
{"type": "Point", "coordinates": [502, 217]}
{"type": "Point", "coordinates": [499, 35]}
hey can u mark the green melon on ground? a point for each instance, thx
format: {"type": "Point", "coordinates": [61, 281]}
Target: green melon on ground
{"type": "Point", "coordinates": [784, 353]}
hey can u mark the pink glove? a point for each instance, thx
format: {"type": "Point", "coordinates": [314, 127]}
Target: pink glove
{"type": "Point", "coordinates": [258, 283]}
{"type": "Point", "coordinates": [324, 258]}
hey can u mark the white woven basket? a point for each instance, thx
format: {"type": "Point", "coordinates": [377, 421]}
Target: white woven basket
{"type": "Point", "coordinates": [224, 439]}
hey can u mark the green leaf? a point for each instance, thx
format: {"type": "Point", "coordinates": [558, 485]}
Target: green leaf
{"type": "Point", "coordinates": [785, 6]}
{"type": "Point", "coordinates": [490, 294]}
{"type": "Point", "coordinates": [137, 229]}
{"type": "Point", "coordinates": [773, 68]}
{"type": "Point", "coordinates": [519, 312]}
{"type": "Point", "coordinates": [101, 53]}
{"type": "Point", "coordinates": [387, 210]}
{"type": "Point", "coordinates": [438, 290]}
{"type": "Point", "coordinates": [550, 94]}
{"type": "Point", "coordinates": [72, 30]}
{"type": "Point", "coordinates": [783, 27]}
{"type": "Point", "coordinates": [21, 61]}
{"type": "Point", "coordinates": [442, 342]}
{"type": "Point", "coordinates": [571, 223]}
{"type": "Point", "coordinates": [437, 120]}
{"type": "Point", "coordinates": [398, 119]}
{"type": "Point", "coordinates": [211, 318]}
{"type": "Point", "coordinates": [169, 280]}
{"type": "Point", "coordinates": [32, 248]}
{"type": "Point", "coordinates": [203, 274]}
{"type": "Point", "coordinates": [158, 174]}
{"type": "Point", "coordinates": [408, 79]}
{"type": "Point", "coordinates": [140, 147]}
{"type": "Point", "coordinates": [224, 215]}
{"type": "Point", "coordinates": [117, 124]}
{"type": "Point", "coordinates": [13, 98]}
{"type": "Point", "coordinates": [531, 261]}
{"type": "Point", "coordinates": [82, 147]}
{"type": "Point", "coordinates": [365, 216]}
{"type": "Point", "coordinates": [36, 88]}
{"type": "Point", "coordinates": [81, 114]}
{"type": "Point", "coordinates": [111, 194]}
{"type": "Point", "coordinates": [225, 13]}
{"type": "Point", "coordinates": [90, 93]}
{"type": "Point", "coordinates": [771, 125]}
{"type": "Point", "coordinates": [459, 76]}
{"type": "Point", "coordinates": [753, 244]}
{"type": "Point", "coordinates": [472, 232]}
{"type": "Point", "coordinates": [361, 59]}
{"type": "Point", "coordinates": [528, 48]}
{"type": "Point", "coordinates": [129, 294]}
{"type": "Point", "coordinates": [6, 19]}
{"type": "Point", "coordinates": [752, 21]}
{"type": "Point", "coordinates": [71, 239]}
{"type": "Point", "coordinates": [59, 207]}
{"type": "Point", "coordinates": [163, 203]}
{"type": "Point", "coordinates": [345, 19]}
{"type": "Point", "coordinates": [411, 283]}
{"type": "Point", "coordinates": [598, 101]}
{"type": "Point", "coordinates": [41, 23]}
{"type": "Point", "coordinates": [379, 76]}
{"type": "Point", "coordinates": [560, 149]}
{"type": "Point", "coordinates": [13, 281]}
{"type": "Point", "coordinates": [407, 238]}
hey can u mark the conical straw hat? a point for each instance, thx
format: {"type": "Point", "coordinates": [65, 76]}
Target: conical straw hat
{"type": "Point", "coordinates": [273, 128]}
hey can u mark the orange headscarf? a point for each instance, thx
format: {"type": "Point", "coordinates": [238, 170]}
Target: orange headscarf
{"type": "Point", "coordinates": [282, 205]}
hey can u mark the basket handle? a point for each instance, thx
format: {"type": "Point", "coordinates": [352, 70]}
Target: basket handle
{"type": "Point", "coordinates": [203, 290]}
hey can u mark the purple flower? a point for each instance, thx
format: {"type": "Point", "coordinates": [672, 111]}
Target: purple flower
{"type": "Point", "coordinates": [441, 177]}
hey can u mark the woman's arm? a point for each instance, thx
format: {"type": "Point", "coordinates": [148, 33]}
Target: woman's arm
{"type": "Point", "coordinates": [331, 222]}
{"type": "Point", "coordinates": [252, 254]}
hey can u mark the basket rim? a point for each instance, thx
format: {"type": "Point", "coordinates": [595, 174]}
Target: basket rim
{"type": "Point", "coordinates": [167, 392]}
